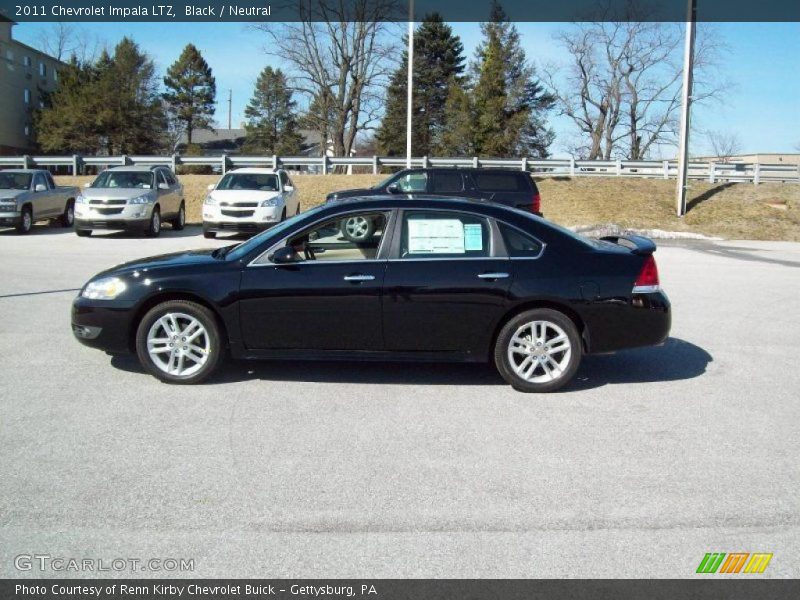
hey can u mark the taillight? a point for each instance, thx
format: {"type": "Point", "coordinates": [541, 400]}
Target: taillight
{"type": "Point", "coordinates": [647, 281]}
{"type": "Point", "coordinates": [537, 203]}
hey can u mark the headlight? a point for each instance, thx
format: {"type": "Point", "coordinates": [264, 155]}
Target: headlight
{"type": "Point", "coordinates": [106, 288]}
{"type": "Point", "coordinates": [210, 200]}
{"type": "Point", "coordinates": [81, 200]}
{"type": "Point", "coordinates": [146, 199]}
{"type": "Point", "coordinates": [271, 201]}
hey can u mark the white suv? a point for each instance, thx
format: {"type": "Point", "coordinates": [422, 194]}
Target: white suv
{"type": "Point", "coordinates": [249, 200]}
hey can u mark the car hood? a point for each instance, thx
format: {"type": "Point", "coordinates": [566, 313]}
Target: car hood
{"type": "Point", "coordinates": [11, 194]}
{"type": "Point", "coordinates": [174, 259]}
{"type": "Point", "coordinates": [103, 193]}
{"type": "Point", "coordinates": [234, 196]}
{"type": "Point", "coordinates": [353, 192]}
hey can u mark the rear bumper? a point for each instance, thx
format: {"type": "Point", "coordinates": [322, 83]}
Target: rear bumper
{"type": "Point", "coordinates": [105, 325]}
{"type": "Point", "coordinates": [642, 320]}
{"type": "Point", "coordinates": [124, 224]}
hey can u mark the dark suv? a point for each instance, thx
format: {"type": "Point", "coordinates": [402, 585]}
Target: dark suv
{"type": "Point", "coordinates": [505, 186]}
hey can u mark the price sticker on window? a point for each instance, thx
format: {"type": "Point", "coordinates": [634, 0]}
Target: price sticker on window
{"type": "Point", "coordinates": [436, 236]}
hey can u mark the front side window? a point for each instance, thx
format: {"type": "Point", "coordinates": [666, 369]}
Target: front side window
{"type": "Point", "coordinates": [350, 238]}
{"type": "Point", "coordinates": [38, 180]}
{"type": "Point", "coordinates": [124, 179]}
{"type": "Point", "coordinates": [162, 178]}
{"type": "Point", "coordinates": [413, 182]}
{"type": "Point", "coordinates": [444, 235]}
{"type": "Point", "coordinates": [50, 183]}
{"type": "Point", "coordinates": [519, 244]}
{"type": "Point", "coordinates": [249, 181]}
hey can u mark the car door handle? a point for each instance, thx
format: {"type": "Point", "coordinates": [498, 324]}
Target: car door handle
{"type": "Point", "coordinates": [359, 277]}
{"type": "Point", "coordinates": [493, 276]}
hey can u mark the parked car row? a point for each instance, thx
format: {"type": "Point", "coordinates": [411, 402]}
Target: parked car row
{"type": "Point", "coordinates": [142, 198]}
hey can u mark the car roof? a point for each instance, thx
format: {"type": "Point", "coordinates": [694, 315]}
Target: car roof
{"type": "Point", "coordinates": [28, 171]}
{"type": "Point", "coordinates": [388, 201]}
{"type": "Point", "coordinates": [255, 171]}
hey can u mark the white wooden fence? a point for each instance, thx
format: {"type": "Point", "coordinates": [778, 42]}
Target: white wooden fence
{"type": "Point", "coordinates": [712, 172]}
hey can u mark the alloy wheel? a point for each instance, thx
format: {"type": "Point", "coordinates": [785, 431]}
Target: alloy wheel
{"type": "Point", "coordinates": [357, 227]}
{"type": "Point", "coordinates": [178, 344]}
{"type": "Point", "coordinates": [539, 351]}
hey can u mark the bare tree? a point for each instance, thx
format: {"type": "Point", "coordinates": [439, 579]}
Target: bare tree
{"type": "Point", "coordinates": [340, 52]}
{"type": "Point", "coordinates": [724, 145]}
{"type": "Point", "coordinates": [622, 84]}
{"type": "Point", "coordinates": [66, 40]}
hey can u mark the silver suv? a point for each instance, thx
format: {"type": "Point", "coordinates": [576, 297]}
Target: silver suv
{"type": "Point", "coordinates": [131, 198]}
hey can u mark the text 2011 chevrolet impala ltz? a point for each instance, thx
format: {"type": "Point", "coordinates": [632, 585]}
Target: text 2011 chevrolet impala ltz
{"type": "Point", "coordinates": [437, 279]}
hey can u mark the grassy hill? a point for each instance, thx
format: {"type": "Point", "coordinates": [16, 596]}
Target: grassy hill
{"type": "Point", "coordinates": [770, 211]}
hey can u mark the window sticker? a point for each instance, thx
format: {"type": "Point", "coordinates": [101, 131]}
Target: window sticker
{"type": "Point", "coordinates": [435, 236]}
{"type": "Point", "coordinates": [473, 237]}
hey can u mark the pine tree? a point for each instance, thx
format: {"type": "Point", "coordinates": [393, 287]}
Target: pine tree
{"type": "Point", "coordinates": [457, 138]}
{"type": "Point", "coordinates": [271, 122]}
{"type": "Point", "coordinates": [438, 64]}
{"type": "Point", "coordinates": [191, 91]}
{"type": "Point", "coordinates": [527, 101]}
{"type": "Point", "coordinates": [492, 127]}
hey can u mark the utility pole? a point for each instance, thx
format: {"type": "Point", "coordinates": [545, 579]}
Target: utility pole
{"type": "Point", "coordinates": [688, 75]}
{"type": "Point", "coordinates": [230, 104]}
{"type": "Point", "coordinates": [410, 80]}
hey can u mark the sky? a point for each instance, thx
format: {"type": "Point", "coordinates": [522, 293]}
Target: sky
{"type": "Point", "coordinates": [762, 107]}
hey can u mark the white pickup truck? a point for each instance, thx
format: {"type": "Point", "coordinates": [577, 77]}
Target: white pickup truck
{"type": "Point", "coordinates": [30, 195]}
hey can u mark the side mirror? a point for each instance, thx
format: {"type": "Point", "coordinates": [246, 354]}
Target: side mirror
{"type": "Point", "coordinates": [40, 187]}
{"type": "Point", "coordinates": [393, 189]}
{"type": "Point", "coordinates": [211, 187]}
{"type": "Point", "coordinates": [288, 188]}
{"type": "Point", "coordinates": [284, 256]}
{"type": "Point", "coordinates": [88, 184]}
{"type": "Point", "coordinates": [163, 186]}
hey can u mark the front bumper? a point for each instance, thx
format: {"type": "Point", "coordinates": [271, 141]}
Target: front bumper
{"type": "Point", "coordinates": [103, 324]}
{"type": "Point", "coordinates": [234, 218]}
{"type": "Point", "coordinates": [10, 219]}
{"type": "Point", "coordinates": [125, 216]}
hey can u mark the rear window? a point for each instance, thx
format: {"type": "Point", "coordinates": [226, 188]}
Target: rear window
{"type": "Point", "coordinates": [502, 182]}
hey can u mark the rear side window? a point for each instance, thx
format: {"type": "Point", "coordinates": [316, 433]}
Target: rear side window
{"type": "Point", "coordinates": [447, 181]}
{"type": "Point", "coordinates": [519, 243]}
{"type": "Point", "coordinates": [501, 182]}
{"type": "Point", "coordinates": [444, 235]}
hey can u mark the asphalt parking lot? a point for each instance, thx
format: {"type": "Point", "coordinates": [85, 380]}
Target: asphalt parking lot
{"type": "Point", "coordinates": [650, 459]}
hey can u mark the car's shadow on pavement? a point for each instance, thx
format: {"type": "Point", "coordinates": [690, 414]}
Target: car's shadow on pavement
{"type": "Point", "coordinates": [675, 360]}
{"type": "Point", "coordinates": [167, 231]}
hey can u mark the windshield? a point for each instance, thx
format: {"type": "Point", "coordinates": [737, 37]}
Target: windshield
{"type": "Point", "coordinates": [124, 179]}
{"type": "Point", "coordinates": [249, 181]}
{"type": "Point", "coordinates": [274, 232]}
{"type": "Point", "coordinates": [15, 181]}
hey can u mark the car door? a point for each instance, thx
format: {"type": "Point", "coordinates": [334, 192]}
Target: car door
{"type": "Point", "coordinates": [446, 287]}
{"type": "Point", "coordinates": [329, 300]}
{"type": "Point", "coordinates": [56, 202]}
{"type": "Point", "coordinates": [42, 199]}
{"type": "Point", "coordinates": [176, 188]}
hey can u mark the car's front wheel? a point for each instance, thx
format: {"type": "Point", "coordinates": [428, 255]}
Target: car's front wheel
{"type": "Point", "coordinates": [539, 350]}
{"type": "Point", "coordinates": [179, 342]}
{"type": "Point", "coordinates": [25, 221]}
{"type": "Point", "coordinates": [154, 227]}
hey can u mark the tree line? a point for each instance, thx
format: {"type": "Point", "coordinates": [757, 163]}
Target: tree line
{"type": "Point", "coordinates": [618, 85]}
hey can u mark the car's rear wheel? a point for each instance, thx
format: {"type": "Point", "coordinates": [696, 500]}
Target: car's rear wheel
{"type": "Point", "coordinates": [179, 221]}
{"type": "Point", "coordinates": [179, 342]}
{"type": "Point", "coordinates": [539, 350]}
{"type": "Point", "coordinates": [25, 221]}
{"type": "Point", "coordinates": [358, 229]}
{"type": "Point", "coordinates": [68, 216]}
{"type": "Point", "coordinates": [154, 228]}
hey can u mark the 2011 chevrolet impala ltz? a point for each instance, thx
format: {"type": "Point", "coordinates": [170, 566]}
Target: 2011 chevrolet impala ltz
{"type": "Point", "coordinates": [437, 279]}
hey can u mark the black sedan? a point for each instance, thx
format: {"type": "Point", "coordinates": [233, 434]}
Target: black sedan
{"type": "Point", "coordinates": [437, 279]}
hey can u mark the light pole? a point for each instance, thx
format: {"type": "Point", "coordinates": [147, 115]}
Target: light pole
{"type": "Point", "coordinates": [683, 147]}
{"type": "Point", "coordinates": [410, 80]}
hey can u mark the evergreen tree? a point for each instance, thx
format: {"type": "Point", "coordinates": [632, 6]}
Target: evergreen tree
{"type": "Point", "coordinates": [527, 101]}
{"type": "Point", "coordinates": [191, 91]}
{"type": "Point", "coordinates": [457, 137]}
{"type": "Point", "coordinates": [271, 122]}
{"type": "Point", "coordinates": [492, 132]}
{"type": "Point", "coordinates": [111, 105]}
{"type": "Point", "coordinates": [438, 64]}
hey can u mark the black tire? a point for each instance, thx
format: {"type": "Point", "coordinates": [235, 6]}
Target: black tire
{"type": "Point", "coordinates": [83, 232]}
{"type": "Point", "coordinates": [209, 235]}
{"type": "Point", "coordinates": [179, 222]}
{"type": "Point", "coordinates": [535, 357]}
{"type": "Point", "coordinates": [154, 228]}
{"type": "Point", "coordinates": [358, 230]}
{"type": "Point", "coordinates": [68, 216]}
{"type": "Point", "coordinates": [25, 221]}
{"type": "Point", "coordinates": [205, 317]}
